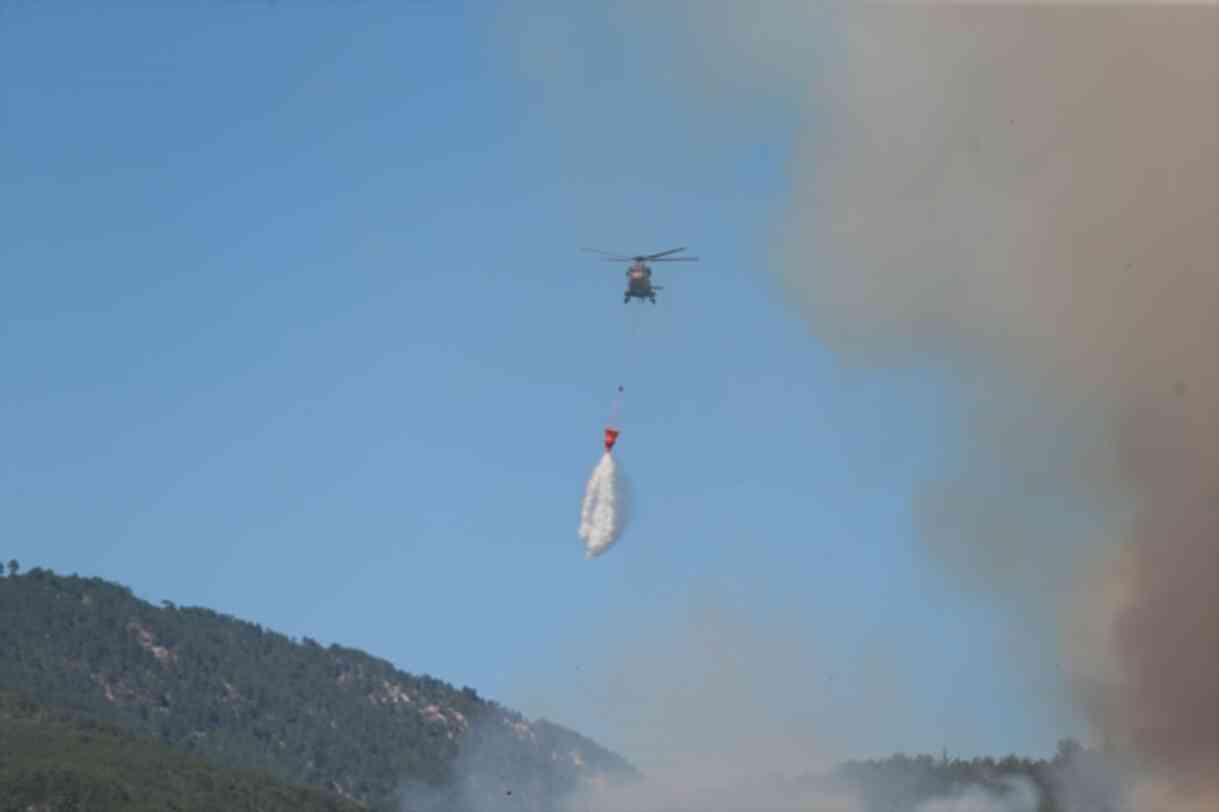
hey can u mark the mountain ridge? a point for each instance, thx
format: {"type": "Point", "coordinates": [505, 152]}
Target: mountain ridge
{"type": "Point", "coordinates": [241, 695]}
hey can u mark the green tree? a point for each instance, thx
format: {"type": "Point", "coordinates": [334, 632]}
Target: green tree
{"type": "Point", "coordinates": [1068, 750]}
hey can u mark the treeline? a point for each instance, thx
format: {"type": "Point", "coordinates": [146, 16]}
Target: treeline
{"type": "Point", "coordinates": [243, 696]}
{"type": "Point", "coordinates": [1075, 778]}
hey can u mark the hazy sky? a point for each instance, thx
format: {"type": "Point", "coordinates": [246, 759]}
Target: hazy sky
{"type": "Point", "coordinates": [295, 325]}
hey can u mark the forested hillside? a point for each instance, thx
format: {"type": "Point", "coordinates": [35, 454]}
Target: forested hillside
{"type": "Point", "coordinates": [53, 759]}
{"type": "Point", "coordinates": [244, 696]}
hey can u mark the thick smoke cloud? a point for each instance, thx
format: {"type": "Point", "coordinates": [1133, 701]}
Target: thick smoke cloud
{"type": "Point", "coordinates": [1032, 193]}
{"type": "Point", "coordinates": [1028, 195]}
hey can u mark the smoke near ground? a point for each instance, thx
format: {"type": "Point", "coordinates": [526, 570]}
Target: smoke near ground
{"type": "Point", "coordinates": [661, 796]}
{"type": "Point", "coordinates": [1018, 796]}
{"type": "Point", "coordinates": [1031, 193]}
{"type": "Point", "coordinates": [705, 704]}
{"type": "Point", "coordinates": [603, 511]}
{"type": "Point", "coordinates": [726, 710]}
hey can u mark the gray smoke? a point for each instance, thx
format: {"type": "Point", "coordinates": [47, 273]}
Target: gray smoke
{"type": "Point", "coordinates": [1030, 192]}
{"type": "Point", "coordinates": [1020, 795]}
{"type": "Point", "coordinates": [697, 703]}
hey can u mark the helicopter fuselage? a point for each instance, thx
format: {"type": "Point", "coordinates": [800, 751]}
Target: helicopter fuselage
{"type": "Point", "coordinates": [639, 284]}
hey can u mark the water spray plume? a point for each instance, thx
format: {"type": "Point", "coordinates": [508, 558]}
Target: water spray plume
{"type": "Point", "coordinates": [602, 514]}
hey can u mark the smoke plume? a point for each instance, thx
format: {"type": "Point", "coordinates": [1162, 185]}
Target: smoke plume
{"type": "Point", "coordinates": [603, 511]}
{"type": "Point", "coordinates": [1032, 193]}
{"type": "Point", "coordinates": [704, 703]}
{"type": "Point", "coordinates": [1021, 795]}
{"type": "Point", "coordinates": [1027, 194]}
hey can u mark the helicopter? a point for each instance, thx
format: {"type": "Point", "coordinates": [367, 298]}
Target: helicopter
{"type": "Point", "coordinates": [639, 275]}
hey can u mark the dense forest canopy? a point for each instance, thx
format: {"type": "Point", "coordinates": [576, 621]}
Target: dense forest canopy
{"type": "Point", "coordinates": [244, 696]}
{"type": "Point", "coordinates": [55, 759]}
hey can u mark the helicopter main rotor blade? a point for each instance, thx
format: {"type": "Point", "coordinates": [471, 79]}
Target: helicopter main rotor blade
{"type": "Point", "coordinates": [611, 257]}
{"type": "Point", "coordinates": [663, 253]}
{"type": "Point", "coordinates": [676, 259]}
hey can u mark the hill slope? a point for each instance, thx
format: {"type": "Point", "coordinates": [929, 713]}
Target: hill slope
{"type": "Point", "coordinates": [244, 696]}
{"type": "Point", "coordinates": [53, 759]}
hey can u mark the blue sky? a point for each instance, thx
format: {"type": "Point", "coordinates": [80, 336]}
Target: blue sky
{"type": "Point", "coordinates": [296, 326]}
